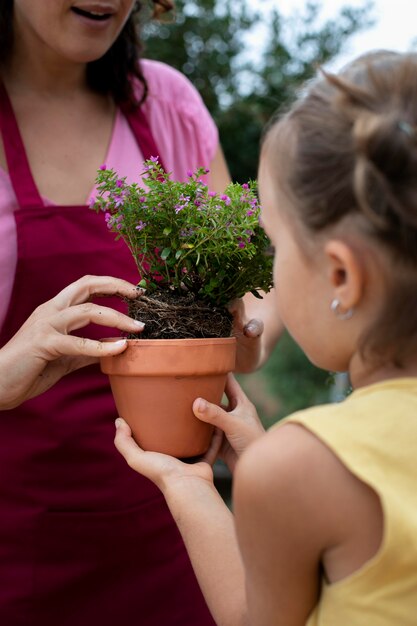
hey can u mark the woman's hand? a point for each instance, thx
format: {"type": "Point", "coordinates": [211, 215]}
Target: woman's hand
{"type": "Point", "coordinates": [239, 425]}
{"type": "Point", "coordinates": [43, 350]}
{"type": "Point", "coordinates": [248, 333]}
{"type": "Point", "coordinates": [257, 328]}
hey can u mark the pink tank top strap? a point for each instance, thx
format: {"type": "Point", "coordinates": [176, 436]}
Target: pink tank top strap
{"type": "Point", "coordinates": [142, 131]}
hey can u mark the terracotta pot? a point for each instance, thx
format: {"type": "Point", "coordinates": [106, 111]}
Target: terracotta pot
{"type": "Point", "coordinates": [155, 381]}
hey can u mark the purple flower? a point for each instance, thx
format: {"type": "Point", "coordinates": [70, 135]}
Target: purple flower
{"type": "Point", "coordinates": [142, 199]}
{"type": "Point", "coordinates": [197, 203]}
{"type": "Point", "coordinates": [225, 199]}
{"type": "Point", "coordinates": [103, 167]}
{"type": "Point", "coordinates": [92, 202]}
{"type": "Point", "coordinates": [141, 225]}
{"type": "Point", "coordinates": [119, 183]}
{"type": "Point", "coordinates": [241, 244]}
{"type": "Point", "coordinates": [154, 159]}
{"type": "Point", "coordinates": [245, 186]}
{"type": "Point", "coordinates": [249, 213]}
{"type": "Point", "coordinates": [212, 194]}
{"type": "Point", "coordinates": [190, 173]}
{"type": "Point", "coordinates": [108, 219]}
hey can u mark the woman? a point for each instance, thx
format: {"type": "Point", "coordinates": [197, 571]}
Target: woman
{"type": "Point", "coordinates": [82, 539]}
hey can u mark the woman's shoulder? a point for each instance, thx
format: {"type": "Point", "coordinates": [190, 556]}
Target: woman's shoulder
{"type": "Point", "coordinates": [169, 85]}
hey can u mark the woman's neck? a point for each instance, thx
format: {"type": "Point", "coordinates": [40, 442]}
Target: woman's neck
{"type": "Point", "coordinates": [43, 72]}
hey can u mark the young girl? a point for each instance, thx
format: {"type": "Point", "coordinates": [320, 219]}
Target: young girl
{"type": "Point", "coordinates": [325, 524]}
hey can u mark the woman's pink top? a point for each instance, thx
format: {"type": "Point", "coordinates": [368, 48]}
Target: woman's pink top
{"type": "Point", "coordinates": [173, 109]}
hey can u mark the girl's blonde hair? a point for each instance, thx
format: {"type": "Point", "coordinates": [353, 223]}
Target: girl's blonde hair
{"type": "Point", "coordinates": [350, 147]}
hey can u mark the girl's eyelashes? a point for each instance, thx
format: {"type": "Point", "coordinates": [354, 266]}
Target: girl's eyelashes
{"type": "Point", "coordinates": [270, 250]}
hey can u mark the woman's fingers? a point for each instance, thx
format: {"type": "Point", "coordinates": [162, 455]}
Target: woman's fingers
{"type": "Point", "coordinates": [58, 345]}
{"type": "Point", "coordinates": [86, 287]}
{"type": "Point", "coordinates": [253, 329]}
{"type": "Point", "coordinates": [80, 315]}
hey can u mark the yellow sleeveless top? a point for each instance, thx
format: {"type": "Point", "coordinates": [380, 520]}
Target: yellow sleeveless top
{"type": "Point", "coordinates": [374, 433]}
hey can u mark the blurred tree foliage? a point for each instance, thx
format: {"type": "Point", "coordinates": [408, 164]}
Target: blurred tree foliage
{"type": "Point", "coordinates": [207, 40]}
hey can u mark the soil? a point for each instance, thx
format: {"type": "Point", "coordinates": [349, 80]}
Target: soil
{"type": "Point", "coordinates": [169, 315]}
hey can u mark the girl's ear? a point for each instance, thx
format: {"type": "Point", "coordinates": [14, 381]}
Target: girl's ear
{"type": "Point", "coordinates": [346, 273]}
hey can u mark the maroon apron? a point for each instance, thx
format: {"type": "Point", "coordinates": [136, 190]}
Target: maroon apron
{"type": "Point", "coordinates": [84, 540]}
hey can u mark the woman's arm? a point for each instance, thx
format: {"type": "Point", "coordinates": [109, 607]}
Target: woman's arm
{"type": "Point", "coordinates": [43, 350]}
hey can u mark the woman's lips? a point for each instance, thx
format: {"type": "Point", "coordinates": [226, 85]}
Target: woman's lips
{"type": "Point", "coordinates": [96, 14]}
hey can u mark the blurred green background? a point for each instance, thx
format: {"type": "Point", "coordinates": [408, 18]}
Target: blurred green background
{"type": "Point", "coordinates": [248, 65]}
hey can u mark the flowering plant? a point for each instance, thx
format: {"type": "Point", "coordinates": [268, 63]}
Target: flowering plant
{"type": "Point", "coordinates": [186, 239]}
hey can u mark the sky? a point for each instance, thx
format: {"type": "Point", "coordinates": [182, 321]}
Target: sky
{"type": "Point", "coordinates": [395, 27]}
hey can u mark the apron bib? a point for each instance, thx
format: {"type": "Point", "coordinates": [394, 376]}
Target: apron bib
{"type": "Point", "coordinates": [84, 540]}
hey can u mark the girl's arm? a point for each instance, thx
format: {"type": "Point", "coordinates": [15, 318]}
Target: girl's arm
{"type": "Point", "coordinates": [204, 521]}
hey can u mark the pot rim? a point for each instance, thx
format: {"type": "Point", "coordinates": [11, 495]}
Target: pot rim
{"type": "Point", "coordinates": [174, 342]}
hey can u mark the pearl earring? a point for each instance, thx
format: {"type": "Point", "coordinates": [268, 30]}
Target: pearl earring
{"type": "Point", "coordinates": [335, 307]}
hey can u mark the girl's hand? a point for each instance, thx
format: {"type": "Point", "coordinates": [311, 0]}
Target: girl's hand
{"type": "Point", "coordinates": [163, 470]}
{"type": "Point", "coordinates": [239, 424]}
{"type": "Point", "coordinates": [43, 350]}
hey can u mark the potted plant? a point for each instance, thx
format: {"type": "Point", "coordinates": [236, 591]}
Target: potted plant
{"type": "Point", "coordinates": [195, 251]}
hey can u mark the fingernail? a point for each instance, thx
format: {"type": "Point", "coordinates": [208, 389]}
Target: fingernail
{"type": "Point", "coordinates": [139, 324]}
{"type": "Point", "coordinates": [201, 405]}
{"type": "Point", "coordinates": [118, 422]}
{"type": "Point", "coordinates": [121, 342]}
{"type": "Point", "coordinates": [252, 328]}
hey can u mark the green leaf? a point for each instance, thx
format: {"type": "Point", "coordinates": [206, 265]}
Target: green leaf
{"type": "Point", "coordinates": [167, 231]}
{"type": "Point", "coordinates": [165, 253]}
{"type": "Point", "coordinates": [142, 283]}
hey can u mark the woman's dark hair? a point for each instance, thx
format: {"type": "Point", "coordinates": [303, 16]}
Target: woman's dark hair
{"type": "Point", "coordinates": [112, 73]}
{"type": "Point", "coordinates": [349, 147]}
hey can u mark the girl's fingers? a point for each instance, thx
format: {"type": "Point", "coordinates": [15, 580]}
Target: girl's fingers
{"type": "Point", "coordinates": [215, 445]}
{"type": "Point", "coordinates": [211, 413]}
{"type": "Point", "coordinates": [234, 391]}
{"type": "Point", "coordinates": [88, 286]}
{"type": "Point", "coordinates": [126, 445]}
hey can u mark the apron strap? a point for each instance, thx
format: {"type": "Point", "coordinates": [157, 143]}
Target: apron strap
{"type": "Point", "coordinates": [24, 186]}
